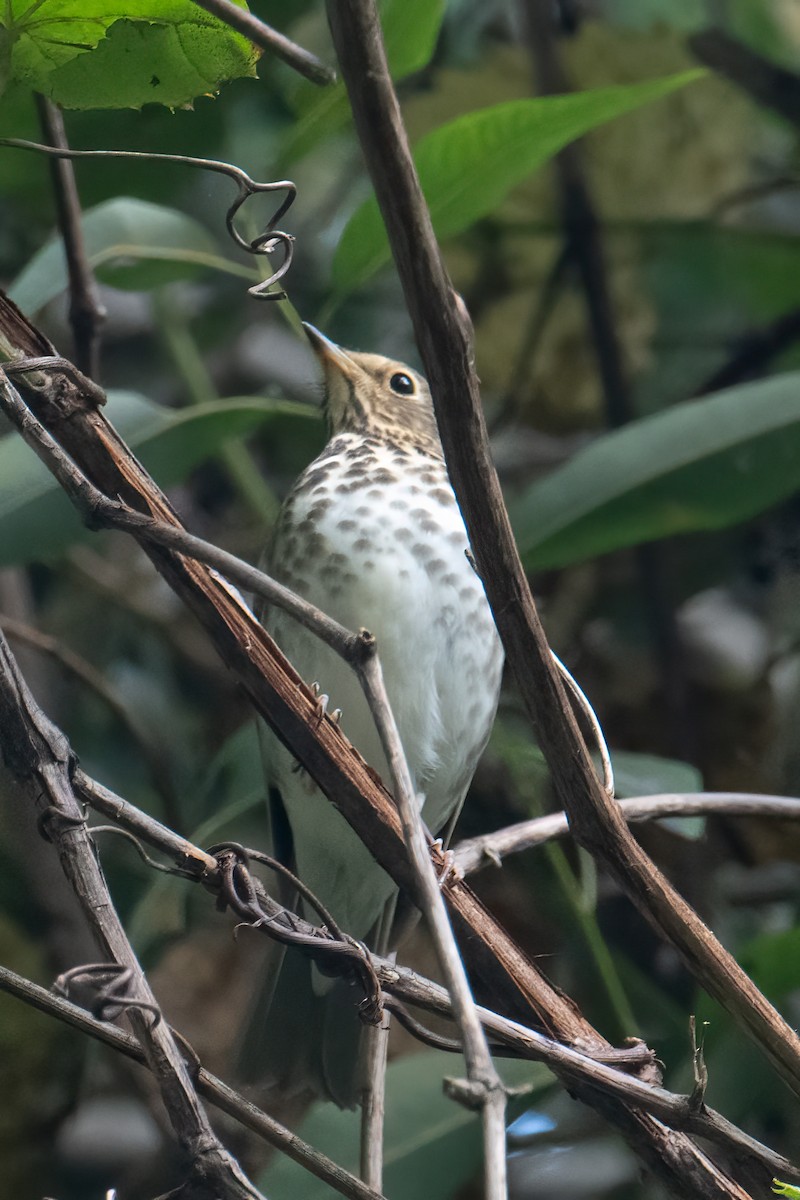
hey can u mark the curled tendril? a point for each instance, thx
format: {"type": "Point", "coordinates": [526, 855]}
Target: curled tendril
{"type": "Point", "coordinates": [334, 952]}
{"type": "Point", "coordinates": [265, 243]}
{"type": "Point", "coordinates": [110, 982]}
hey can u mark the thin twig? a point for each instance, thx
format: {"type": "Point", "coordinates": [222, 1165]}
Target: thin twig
{"type": "Point", "coordinates": [92, 679]}
{"type": "Point", "coordinates": [38, 756]}
{"type": "Point", "coordinates": [499, 967]}
{"type": "Point", "coordinates": [86, 312]}
{"type": "Point", "coordinates": [263, 35]}
{"type": "Point", "coordinates": [600, 1070]}
{"type": "Point", "coordinates": [753, 353]}
{"type": "Point", "coordinates": [485, 1086]}
{"type": "Point", "coordinates": [373, 1099]}
{"type": "Point", "coordinates": [264, 243]}
{"type": "Point", "coordinates": [491, 848]}
{"type": "Point", "coordinates": [764, 81]}
{"type": "Point", "coordinates": [208, 1085]}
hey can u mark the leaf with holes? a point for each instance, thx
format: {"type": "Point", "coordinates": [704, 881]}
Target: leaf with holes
{"type": "Point", "coordinates": [105, 54]}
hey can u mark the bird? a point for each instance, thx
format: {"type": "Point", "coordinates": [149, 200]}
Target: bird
{"type": "Point", "coordinates": [371, 533]}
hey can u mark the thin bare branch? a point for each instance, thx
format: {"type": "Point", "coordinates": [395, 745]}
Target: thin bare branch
{"type": "Point", "coordinates": [498, 966]}
{"type": "Point", "coordinates": [38, 756]}
{"type": "Point", "coordinates": [208, 1085]}
{"type": "Point", "coordinates": [491, 848]}
{"type": "Point", "coordinates": [445, 344]}
{"type": "Point", "coordinates": [263, 35]}
{"type": "Point", "coordinates": [485, 1088]}
{"type": "Point", "coordinates": [373, 1099]}
{"type": "Point", "coordinates": [86, 313]}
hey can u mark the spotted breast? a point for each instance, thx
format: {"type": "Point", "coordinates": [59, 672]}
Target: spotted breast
{"type": "Point", "coordinates": [371, 533]}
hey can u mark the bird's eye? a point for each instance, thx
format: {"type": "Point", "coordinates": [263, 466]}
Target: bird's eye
{"type": "Point", "coordinates": [402, 384]}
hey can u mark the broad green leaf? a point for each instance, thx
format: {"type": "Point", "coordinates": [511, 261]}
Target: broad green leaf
{"type": "Point", "coordinates": [131, 244]}
{"type": "Point", "coordinates": [705, 464]}
{"type": "Point", "coordinates": [103, 53]}
{"type": "Point", "coordinates": [37, 520]}
{"type": "Point", "coordinates": [467, 166]}
{"type": "Point", "coordinates": [650, 775]}
{"type": "Point", "coordinates": [432, 1145]}
{"type": "Point", "coordinates": [410, 29]}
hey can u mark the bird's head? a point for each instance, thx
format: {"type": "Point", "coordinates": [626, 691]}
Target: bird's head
{"type": "Point", "coordinates": [373, 395]}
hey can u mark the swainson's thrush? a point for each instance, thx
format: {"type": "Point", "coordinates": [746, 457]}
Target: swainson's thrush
{"type": "Point", "coordinates": [371, 533]}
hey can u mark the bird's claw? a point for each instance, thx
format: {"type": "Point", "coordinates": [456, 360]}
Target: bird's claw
{"type": "Point", "coordinates": [449, 872]}
{"type": "Point", "coordinates": [321, 700]}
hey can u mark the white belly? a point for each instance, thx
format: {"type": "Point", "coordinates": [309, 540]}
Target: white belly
{"type": "Point", "coordinates": [389, 557]}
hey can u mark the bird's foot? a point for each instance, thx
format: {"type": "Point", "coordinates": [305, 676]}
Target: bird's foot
{"type": "Point", "coordinates": [322, 702]}
{"type": "Point", "coordinates": [449, 872]}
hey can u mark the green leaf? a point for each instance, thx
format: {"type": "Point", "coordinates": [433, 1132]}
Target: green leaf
{"type": "Point", "coordinates": [785, 1189]}
{"type": "Point", "coordinates": [433, 1146]}
{"type": "Point", "coordinates": [467, 166]}
{"type": "Point", "coordinates": [650, 775]}
{"type": "Point", "coordinates": [131, 244]}
{"type": "Point", "coordinates": [37, 521]}
{"type": "Point", "coordinates": [705, 464]}
{"type": "Point", "coordinates": [106, 54]}
{"type": "Point", "coordinates": [410, 29]}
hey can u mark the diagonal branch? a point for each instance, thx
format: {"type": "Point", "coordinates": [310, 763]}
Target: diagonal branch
{"type": "Point", "coordinates": [263, 35]}
{"type": "Point", "coordinates": [445, 345]}
{"type": "Point", "coordinates": [492, 848]}
{"type": "Point", "coordinates": [223, 1097]}
{"type": "Point", "coordinates": [38, 756]}
{"type": "Point", "coordinates": [610, 1069]}
{"type": "Point", "coordinates": [66, 409]}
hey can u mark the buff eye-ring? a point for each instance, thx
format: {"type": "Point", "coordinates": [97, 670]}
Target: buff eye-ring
{"type": "Point", "coordinates": [402, 384]}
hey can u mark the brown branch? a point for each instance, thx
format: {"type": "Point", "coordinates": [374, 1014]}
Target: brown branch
{"type": "Point", "coordinates": [754, 352]}
{"type": "Point", "coordinates": [764, 81]}
{"type": "Point", "coordinates": [492, 848]}
{"type": "Point", "coordinates": [86, 312]}
{"type": "Point", "coordinates": [498, 968]}
{"type": "Point", "coordinates": [208, 1085]}
{"type": "Point", "coordinates": [445, 346]}
{"type": "Point", "coordinates": [38, 756]}
{"type": "Point", "coordinates": [276, 690]}
{"type": "Point", "coordinates": [263, 35]}
{"type": "Point", "coordinates": [580, 1066]}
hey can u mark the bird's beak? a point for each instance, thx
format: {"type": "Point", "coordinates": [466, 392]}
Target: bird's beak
{"type": "Point", "coordinates": [329, 354]}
